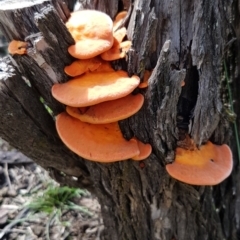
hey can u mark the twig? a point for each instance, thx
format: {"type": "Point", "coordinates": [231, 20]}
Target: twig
{"type": "Point", "coordinates": [10, 207]}
{"type": "Point", "coordinates": [14, 222]}
{"type": "Point", "coordinates": [14, 230]}
{"type": "Point", "coordinates": [48, 225]}
{"type": "Point", "coordinates": [5, 169]}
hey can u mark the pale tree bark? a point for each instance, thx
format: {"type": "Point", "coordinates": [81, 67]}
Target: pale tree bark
{"type": "Point", "coordinates": [182, 40]}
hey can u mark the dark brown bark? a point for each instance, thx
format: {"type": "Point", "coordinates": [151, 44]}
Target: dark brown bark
{"type": "Point", "coordinates": [195, 38]}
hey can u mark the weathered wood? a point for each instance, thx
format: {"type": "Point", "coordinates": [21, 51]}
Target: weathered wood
{"type": "Point", "coordinates": [41, 69]}
{"type": "Point", "coordinates": [139, 200]}
{"type": "Point", "coordinates": [27, 125]}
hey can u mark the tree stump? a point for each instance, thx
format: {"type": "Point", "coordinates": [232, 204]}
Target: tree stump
{"type": "Point", "coordinates": [185, 40]}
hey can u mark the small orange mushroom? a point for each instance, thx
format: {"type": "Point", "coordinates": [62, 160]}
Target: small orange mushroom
{"type": "Point", "coordinates": [105, 67]}
{"type": "Point", "coordinates": [182, 83]}
{"type": "Point", "coordinates": [82, 66]}
{"type": "Point", "coordinates": [145, 151]}
{"type": "Point", "coordinates": [119, 48]}
{"type": "Point", "coordinates": [209, 165]}
{"type": "Point", "coordinates": [119, 20]}
{"type": "Point", "coordinates": [17, 47]}
{"type": "Point", "coordinates": [110, 111]}
{"type": "Point", "coordinates": [118, 51]}
{"type": "Point", "coordinates": [93, 88]}
{"type": "Point", "coordinates": [96, 142]}
{"type": "Point", "coordinates": [146, 76]}
{"type": "Point", "coordinates": [92, 32]}
{"type": "Point", "coordinates": [120, 34]}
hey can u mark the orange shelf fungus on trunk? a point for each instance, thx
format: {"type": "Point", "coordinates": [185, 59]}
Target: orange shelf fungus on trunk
{"type": "Point", "coordinates": [82, 66]}
{"type": "Point", "coordinates": [146, 77]}
{"type": "Point", "coordinates": [118, 21]}
{"type": "Point", "coordinates": [98, 96]}
{"type": "Point", "coordinates": [105, 67]}
{"type": "Point", "coordinates": [119, 48]}
{"type": "Point", "coordinates": [93, 88]}
{"type": "Point", "coordinates": [118, 51]}
{"type": "Point", "coordinates": [209, 165]}
{"type": "Point", "coordinates": [145, 151]}
{"type": "Point", "coordinates": [17, 47]}
{"type": "Point", "coordinates": [110, 111]}
{"type": "Point", "coordinates": [120, 34]}
{"type": "Point", "coordinates": [92, 31]}
{"type": "Point", "coordinates": [95, 142]}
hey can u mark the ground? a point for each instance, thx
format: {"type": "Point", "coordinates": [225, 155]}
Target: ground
{"type": "Point", "coordinates": [23, 184]}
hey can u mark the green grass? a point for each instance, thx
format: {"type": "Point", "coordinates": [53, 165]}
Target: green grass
{"type": "Point", "coordinates": [56, 199]}
{"type": "Point", "coordinates": [46, 106]}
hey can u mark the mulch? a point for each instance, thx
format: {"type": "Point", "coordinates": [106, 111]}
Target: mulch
{"type": "Point", "coordinates": [22, 182]}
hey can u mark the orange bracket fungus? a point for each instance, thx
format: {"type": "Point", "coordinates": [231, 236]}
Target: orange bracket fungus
{"type": "Point", "coordinates": [96, 142]}
{"type": "Point", "coordinates": [93, 88]}
{"type": "Point", "coordinates": [119, 48]}
{"type": "Point", "coordinates": [110, 111]}
{"type": "Point", "coordinates": [209, 165]}
{"type": "Point", "coordinates": [146, 76]}
{"type": "Point", "coordinates": [145, 151]}
{"type": "Point", "coordinates": [82, 66]}
{"type": "Point", "coordinates": [118, 51]}
{"type": "Point", "coordinates": [120, 34]}
{"type": "Point", "coordinates": [17, 47]}
{"type": "Point", "coordinates": [92, 32]}
{"type": "Point", "coordinates": [119, 19]}
{"type": "Point", "coordinates": [105, 67]}
{"type": "Point", "coordinates": [98, 96]}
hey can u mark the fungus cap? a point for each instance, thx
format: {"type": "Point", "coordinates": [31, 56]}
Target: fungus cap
{"type": "Point", "coordinates": [119, 35]}
{"type": "Point", "coordinates": [118, 51]}
{"type": "Point", "coordinates": [119, 48]}
{"type": "Point", "coordinates": [105, 67]}
{"type": "Point", "coordinates": [89, 48]}
{"type": "Point", "coordinates": [110, 111]}
{"type": "Point", "coordinates": [96, 142]}
{"type": "Point", "coordinates": [209, 165]}
{"type": "Point", "coordinates": [92, 32]}
{"type": "Point", "coordinates": [93, 88]}
{"type": "Point", "coordinates": [146, 77]}
{"type": "Point", "coordinates": [145, 151]}
{"type": "Point", "coordinates": [17, 47]}
{"type": "Point", "coordinates": [82, 66]}
{"type": "Point", "coordinates": [119, 19]}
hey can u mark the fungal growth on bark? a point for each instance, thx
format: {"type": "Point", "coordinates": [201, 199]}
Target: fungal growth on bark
{"type": "Point", "coordinates": [208, 165]}
{"type": "Point", "coordinates": [92, 32]}
{"type": "Point", "coordinates": [109, 111]}
{"type": "Point", "coordinates": [93, 88]}
{"type": "Point", "coordinates": [17, 47]}
{"type": "Point", "coordinates": [98, 96]}
{"type": "Point", "coordinates": [176, 62]}
{"type": "Point", "coordinates": [96, 142]}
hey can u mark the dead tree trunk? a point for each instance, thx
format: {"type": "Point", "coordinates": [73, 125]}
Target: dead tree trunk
{"type": "Point", "coordinates": [139, 201]}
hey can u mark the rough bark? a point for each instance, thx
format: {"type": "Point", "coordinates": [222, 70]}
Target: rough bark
{"type": "Point", "coordinates": [187, 40]}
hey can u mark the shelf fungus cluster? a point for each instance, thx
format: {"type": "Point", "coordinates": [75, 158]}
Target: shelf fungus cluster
{"type": "Point", "coordinates": [208, 165]}
{"type": "Point", "coordinates": [97, 96]}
